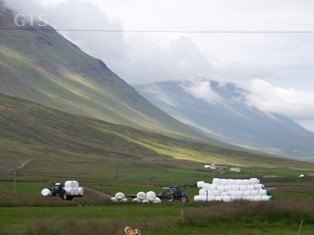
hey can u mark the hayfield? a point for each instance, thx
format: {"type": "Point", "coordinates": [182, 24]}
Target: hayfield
{"type": "Point", "coordinates": [27, 212]}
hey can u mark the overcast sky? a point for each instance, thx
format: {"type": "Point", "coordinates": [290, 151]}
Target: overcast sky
{"type": "Point", "coordinates": [277, 68]}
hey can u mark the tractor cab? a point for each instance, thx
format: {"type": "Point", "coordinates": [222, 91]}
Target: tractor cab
{"type": "Point", "coordinates": [56, 189]}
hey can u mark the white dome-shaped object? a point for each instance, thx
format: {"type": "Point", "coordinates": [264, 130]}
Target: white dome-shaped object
{"type": "Point", "coordinates": [45, 192]}
{"type": "Point", "coordinates": [141, 195]}
{"type": "Point", "coordinates": [157, 200]}
{"type": "Point", "coordinates": [231, 181]}
{"type": "Point", "coordinates": [200, 184]}
{"type": "Point", "coordinates": [223, 181]}
{"type": "Point", "coordinates": [216, 181]}
{"type": "Point", "coordinates": [119, 196]}
{"type": "Point", "coordinates": [254, 181]}
{"type": "Point", "coordinates": [71, 184]}
{"type": "Point", "coordinates": [113, 199]}
{"type": "Point", "coordinates": [151, 196]}
{"type": "Point", "coordinates": [206, 186]}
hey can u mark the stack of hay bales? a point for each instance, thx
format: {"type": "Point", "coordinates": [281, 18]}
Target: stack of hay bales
{"type": "Point", "coordinates": [119, 197]}
{"type": "Point", "coordinates": [72, 188]}
{"type": "Point", "coordinates": [149, 197]}
{"type": "Point", "coordinates": [231, 189]}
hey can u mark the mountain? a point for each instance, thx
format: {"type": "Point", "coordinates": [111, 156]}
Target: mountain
{"type": "Point", "coordinates": [29, 130]}
{"type": "Point", "coordinates": [38, 64]}
{"type": "Point", "coordinates": [220, 111]}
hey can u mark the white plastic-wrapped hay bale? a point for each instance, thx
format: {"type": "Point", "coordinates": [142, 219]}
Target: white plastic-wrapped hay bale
{"type": "Point", "coordinates": [80, 191]}
{"type": "Point", "coordinates": [213, 192]}
{"type": "Point", "coordinates": [119, 196]}
{"type": "Point", "coordinates": [250, 198]}
{"type": "Point", "coordinates": [157, 200]}
{"type": "Point", "coordinates": [258, 186]}
{"type": "Point", "coordinates": [200, 198]}
{"type": "Point", "coordinates": [202, 192]}
{"type": "Point", "coordinates": [247, 193]}
{"type": "Point", "coordinates": [200, 184]}
{"type": "Point", "coordinates": [209, 186]}
{"type": "Point", "coordinates": [45, 192]}
{"type": "Point", "coordinates": [141, 196]}
{"type": "Point", "coordinates": [235, 187]}
{"type": "Point", "coordinates": [206, 186]}
{"type": "Point", "coordinates": [239, 193]}
{"type": "Point", "coordinates": [76, 191]}
{"type": "Point", "coordinates": [228, 187]}
{"type": "Point", "coordinates": [69, 191]}
{"type": "Point", "coordinates": [254, 181]}
{"type": "Point", "coordinates": [238, 182]}
{"type": "Point", "coordinates": [218, 198]}
{"type": "Point", "coordinates": [113, 199]}
{"type": "Point", "coordinates": [223, 182]}
{"type": "Point", "coordinates": [71, 184]}
{"type": "Point", "coordinates": [221, 188]}
{"type": "Point", "coordinates": [210, 198]}
{"type": "Point", "coordinates": [150, 196]}
{"type": "Point", "coordinates": [262, 192]}
{"type": "Point", "coordinates": [243, 187]}
{"type": "Point", "coordinates": [223, 194]}
{"type": "Point", "coordinates": [124, 199]}
{"type": "Point", "coordinates": [266, 198]}
{"type": "Point", "coordinates": [254, 192]}
{"type": "Point", "coordinates": [145, 201]}
{"type": "Point", "coordinates": [245, 182]}
{"type": "Point", "coordinates": [257, 198]}
{"type": "Point", "coordinates": [216, 181]}
{"type": "Point", "coordinates": [231, 182]}
{"type": "Point", "coordinates": [233, 193]}
{"type": "Point", "coordinates": [251, 187]}
{"type": "Point", "coordinates": [136, 200]}
{"type": "Point", "coordinates": [226, 199]}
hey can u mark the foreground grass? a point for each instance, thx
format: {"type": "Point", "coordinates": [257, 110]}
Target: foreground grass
{"type": "Point", "coordinates": [277, 217]}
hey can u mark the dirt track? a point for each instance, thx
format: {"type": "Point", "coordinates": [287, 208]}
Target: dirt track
{"type": "Point", "coordinates": [98, 193]}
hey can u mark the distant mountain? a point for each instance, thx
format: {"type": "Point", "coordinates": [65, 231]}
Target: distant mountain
{"type": "Point", "coordinates": [222, 113]}
{"type": "Point", "coordinates": [38, 64]}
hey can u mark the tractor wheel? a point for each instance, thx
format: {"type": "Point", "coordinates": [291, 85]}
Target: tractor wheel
{"type": "Point", "coordinates": [64, 195]}
{"type": "Point", "coordinates": [184, 199]}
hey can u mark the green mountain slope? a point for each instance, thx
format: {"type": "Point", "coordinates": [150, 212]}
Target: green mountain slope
{"type": "Point", "coordinates": [41, 66]}
{"type": "Point", "coordinates": [31, 131]}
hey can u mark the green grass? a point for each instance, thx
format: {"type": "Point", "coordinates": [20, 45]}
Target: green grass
{"type": "Point", "coordinates": [227, 218]}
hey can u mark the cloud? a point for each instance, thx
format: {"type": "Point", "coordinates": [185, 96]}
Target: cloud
{"type": "Point", "coordinates": [201, 89]}
{"type": "Point", "coordinates": [81, 15]}
{"type": "Point", "coordinates": [148, 61]}
{"type": "Point", "coordinates": [287, 101]}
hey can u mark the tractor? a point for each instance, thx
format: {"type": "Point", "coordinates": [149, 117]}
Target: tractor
{"type": "Point", "coordinates": [66, 191]}
{"type": "Point", "coordinates": [175, 192]}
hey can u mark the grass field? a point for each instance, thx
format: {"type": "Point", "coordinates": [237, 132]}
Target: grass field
{"type": "Point", "coordinates": [27, 212]}
{"type": "Point", "coordinates": [111, 158]}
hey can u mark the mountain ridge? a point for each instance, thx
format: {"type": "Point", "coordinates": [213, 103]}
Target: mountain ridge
{"type": "Point", "coordinates": [224, 115]}
{"type": "Point", "coordinates": [40, 65]}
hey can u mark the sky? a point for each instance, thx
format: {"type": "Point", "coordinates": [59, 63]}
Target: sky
{"type": "Point", "coordinates": [277, 68]}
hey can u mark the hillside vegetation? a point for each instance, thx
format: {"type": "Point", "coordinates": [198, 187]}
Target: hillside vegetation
{"type": "Point", "coordinates": [62, 142]}
{"type": "Point", "coordinates": [41, 66]}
